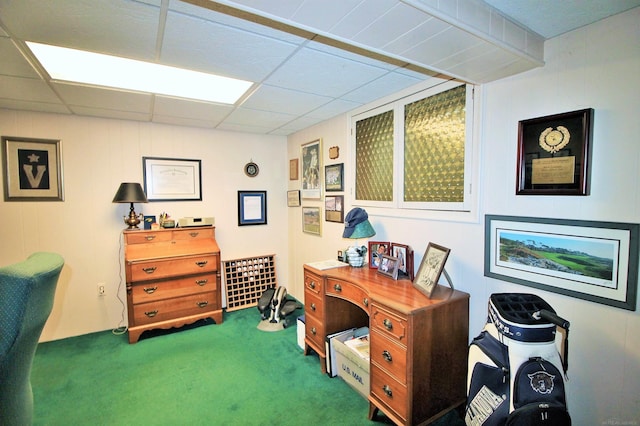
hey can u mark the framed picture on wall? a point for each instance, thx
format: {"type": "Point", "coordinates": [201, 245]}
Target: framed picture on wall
{"type": "Point", "coordinates": [311, 223]}
{"type": "Point", "coordinates": [172, 179]}
{"type": "Point", "coordinates": [252, 208]}
{"type": "Point", "coordinates": [334, 208]}
{"type": "Point", "coordinates": [333, 177]}
{"type": "Point", "coordinates": [311, 154]}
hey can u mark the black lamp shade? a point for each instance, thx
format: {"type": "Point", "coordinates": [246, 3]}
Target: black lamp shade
{"type": "Point", "coordinates": [130, 193]}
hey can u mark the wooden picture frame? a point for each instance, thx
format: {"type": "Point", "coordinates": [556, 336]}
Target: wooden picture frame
{"type": "Point", "coordinates": [388, 266]}
{"type": "Point", "coordinates": [293, 198]}
{"type": "Point", "coordinates": [431, 268]}
{"type": "Point", "coordinates": [334, 177]}
{"type": "Point", "coordinates": [376, 250]}
{"type": "Point", "coordinates": [311, 223]}
{"type": "Point", "coordinates": [589, 260]}
{"type": "Point", "coordinates": [554, 153]}
{"type": "Point", "coordinates": [311, 154]}
{"type": "Point", "coordinates": [252, 208]}
{"type": "Point", "coordinates": [172, 179]}
{"type": "Point", "coordinates": [293, 169]}
{"type": "Point", "coordinates": [32, 169]}
{"type": "Point", "coordinates": [334, 208]}
{"type": "Point", "coordinates": [404, 253]}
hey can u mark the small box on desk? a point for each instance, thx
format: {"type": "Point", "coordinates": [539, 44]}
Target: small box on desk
{"type": "Point", "coordinates": [352, 365]}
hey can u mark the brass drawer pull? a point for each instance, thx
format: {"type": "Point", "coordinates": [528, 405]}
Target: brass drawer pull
{"type": "Point", "coordinates": [202, 304]}
{"type": "Point", "coordinates": [201, 282]}
{"type": "Point", "coordinates": [150, 290]}
{"type": "Point", "coordinates": [386, 389]}
{"type": "Point", "coordinates": [387, 356]}
{"type": "Point", "coordinates": [150, 270]}
{"type": "Point", "coordinates": [202, 263]}
{"type": "Point", "coordinates": [151, 314]}
{"type": "Point", "coordinates": [313, 331]}
{"type": "Point", "coordinates": [150, 237]}
{"type": "Point", "coordinates": [313, 307]}
{"type": "Point", "coordinates": [312, 285]}
{"type": "Point", "coordinates": [194, 234]}
{"type": "Point", "coordinates": [337, 287]}
{"type": "Point", "coordinates": [388, 324]}
{"type": "Point", "coordinates": [365, 302]}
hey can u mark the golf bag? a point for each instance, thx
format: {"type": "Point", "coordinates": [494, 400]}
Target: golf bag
{"type": "Point", "coordinates": [516, 375]}
{"type": "Point", "coordinates": [276, 307]}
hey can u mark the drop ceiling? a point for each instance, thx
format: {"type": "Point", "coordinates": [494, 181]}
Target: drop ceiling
{"type": "Point", "coordinates": [310, 60]}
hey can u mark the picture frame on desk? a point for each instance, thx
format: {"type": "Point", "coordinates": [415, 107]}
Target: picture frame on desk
{"type": "Point", "coordinates": [431, 268]}
{"type": "Point", "coordinates": [376, 250]}
{"type": "Point", "coordinates": [404, 253]}
{"type": "Point", "coordinates": [388, 266]}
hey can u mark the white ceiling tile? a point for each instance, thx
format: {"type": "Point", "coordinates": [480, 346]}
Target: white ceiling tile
{"type": "Point", "coordinates": [110, 113]}
{"type": "Point", "coordinates": [335, 51]}
{"type": "Point", "coordinates": [436, 49]}
{"type": "Point", "coordinates": [183, 121]}
{"type": "Point", "coordinates": [13, 63]}
{"type": "Point", "coordinates": [381, 87]}
{"type": "Point", "coordinates": [333, 108]}
{"type": "Point", "coordinates": [276, 99]}
{"type": "Point", "coordinates": [416, 35]}
{"type": "Point", "coordinates": [475, 14]}
{"type": "Point", "coordinates": [283, 8]}
{"type": "Point", "coordinates": [361, 17]}
{"type": "Point", "coordinates": [323, 15]}
{"type": "Point", "coordinates": [103, 98]}
{"type": "Point", "coordinates": [381, 31]}
{"type": "Point", "coordinates": [205, 111]}
{"type": "Point", "coordinates": [26, 89]}
{"type": "Point", "coordinates": [19, 104]}
{"type": "Point", "coordinates": [267, 119]}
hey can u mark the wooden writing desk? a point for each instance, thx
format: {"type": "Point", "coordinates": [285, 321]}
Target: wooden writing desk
{"type": "Point", "coordinates": [418, 366]}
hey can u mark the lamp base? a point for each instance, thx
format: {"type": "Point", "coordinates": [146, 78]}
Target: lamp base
{"type": "Point", "coordinates": [354, 258]}
{"type": "Point", "coordinates": [133, 220]}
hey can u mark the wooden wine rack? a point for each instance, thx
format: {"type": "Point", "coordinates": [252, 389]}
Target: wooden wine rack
{"type": "Point", "coordinates": [246, 279]}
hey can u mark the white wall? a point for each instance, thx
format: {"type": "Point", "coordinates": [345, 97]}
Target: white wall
{"type": "Point", "coordinates": [593, 67]}
{"type": "Point", "coordinates": [86, 228]}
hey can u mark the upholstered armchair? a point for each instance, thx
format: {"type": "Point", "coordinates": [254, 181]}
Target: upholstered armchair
{"type": "Point", "coordinates": [27, 289]}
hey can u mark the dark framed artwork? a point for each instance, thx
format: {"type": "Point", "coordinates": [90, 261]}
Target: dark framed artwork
{"type": "Point", "coordinates": [431, 268]}
{"type": "Point", "coordinates": [595, 261]}
{"type": "Point", "coordinates": [333, 177]}
{"type": "Point", "coordinates": [554, 153]}
{"type": "Point", "coordinates": [377, 249]}
{"type": "Point", "coordinates": [32, 169]}
{"type": "Point", "coordinates": [334, 208]}
{"type": "Point", "coordinates": [252, 208]}
{"type": "Point", "coordinates": [311, 154]}
{"type": "Point", "coordinates": [388, 266]}
{"type": "Point", "coordinates": [172, 179]}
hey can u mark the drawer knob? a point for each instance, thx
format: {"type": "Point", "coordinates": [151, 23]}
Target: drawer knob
{"type": "Point", "coordinates": [194, 234]}
{"type": "Point", "coordinates": [313, 331]}
{"type": "Point", "coordinates": [386, 389]}
{"type": "Point", "coordinates": [151, 314]}
{"type": "Point", "coordinates": [150, 237]}
{"type": "Point", "coordinates": [313, 307]}
{"type": "Point", "coordinates": [312, 285]}
{"type": "Point", "coordinates": [201, 282]}
{"type": "Point", "coordinates": [150, 270]}
{"type": "Point", "coordinates": [365, 301]}
{"type": "Point", "coordinates": [202, 263]}
{"type": "Point", "coordinates": [388, 324]}
{"type": "Point", "coordinates": [202, 304]}
{"type": "Point", "coordinates": [387, 356]}
{"type": "Point", "coordinates": [337, 287]}
{"type": "Point", "coordinates": [150, 290]}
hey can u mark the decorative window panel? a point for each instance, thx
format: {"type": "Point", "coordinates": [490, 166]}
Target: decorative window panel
{"type": "Point", "coordinates": [374, 157]}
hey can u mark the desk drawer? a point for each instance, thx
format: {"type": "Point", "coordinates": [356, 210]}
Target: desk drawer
{"type": "Point", "coordinates": [389, 391]}
{"type": "Point", "coordinates": [389, 356]}
{"type": "Point", "coordinates": [167, 309]}
{"type": "Point", "coordinates": [314, 331]}
{"type": "Point", "coordinates": [313, 305]}
{"type": "Point", "coordinates": [389, 324]}
{"type": "Point", "coordinates": [313, 283]}
{"type": "Point", "coordinates": [158, 290]}
{"type": "Point", "coordinates": [144, 237]}
{"type": "Point", "coordinates": [162, 268]}
{"type": "Point", "coordinates": [348, 291]}
{"type": "Point", "coordinates": [193, 233]}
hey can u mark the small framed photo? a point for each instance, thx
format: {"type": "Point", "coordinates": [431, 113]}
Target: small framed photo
{"type": "Point", "coordinates": [334, 208]}
{"type": "Point", "coordinates": [333, 177]}
{"type": "Point", "coordinates": [388, 266]}
{"type": "Point", "coordinates": [404, 253]}
{"type": "Point", "coordinates": [311, 220]}
{"type": "Point", "coordinates": [376, 250]}
{"type": "Point", "coordinates": [32, 169]}
{"type": "Point", "coordinates": [293, 169]}
{"type": "Point", "coordinates": [149, 221]}
{"type": "Point", "coordinates": [431, 268]}
{"type": "Point", "coordinates": [293, 198]}
{"type": "Point", "coordinates": [252, 208]}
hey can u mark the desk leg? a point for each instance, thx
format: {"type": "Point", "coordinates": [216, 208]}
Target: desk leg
{"type": "Point", "coordinates": [373, 411]}
{"type": "Point", "coordinates": [323, 361]}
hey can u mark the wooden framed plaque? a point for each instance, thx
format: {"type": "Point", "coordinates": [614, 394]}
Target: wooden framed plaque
{"type": "Point", "coordinates": [554, 154]}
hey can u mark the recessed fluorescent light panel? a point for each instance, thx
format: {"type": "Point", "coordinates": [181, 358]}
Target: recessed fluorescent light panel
{"type": "Point", "coordinates": [103, 70]}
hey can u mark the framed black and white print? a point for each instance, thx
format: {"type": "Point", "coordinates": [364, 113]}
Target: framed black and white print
{"type": "Point", "coordinates": [252, 208]}
{"type": "Point", "coordinates": [32, 169]}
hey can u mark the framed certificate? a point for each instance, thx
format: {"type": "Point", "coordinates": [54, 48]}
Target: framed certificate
{"type": "Point", "coordinates": [554, 154]}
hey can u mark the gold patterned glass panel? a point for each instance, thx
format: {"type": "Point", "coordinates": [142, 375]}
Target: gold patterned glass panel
{"type": "Point", "coordinates": [434, 140]}
{"type": "Point", "coordinates": [374, 158]}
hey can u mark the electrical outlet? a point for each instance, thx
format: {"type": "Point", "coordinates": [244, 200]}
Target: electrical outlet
{"type": "Point", "coordinates": [101, 289]}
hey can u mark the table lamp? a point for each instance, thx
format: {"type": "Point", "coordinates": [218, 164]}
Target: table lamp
{"type": "Point", "coordinates": [131, 193]}
{"type": "Point", "coordinates": [357, 225]}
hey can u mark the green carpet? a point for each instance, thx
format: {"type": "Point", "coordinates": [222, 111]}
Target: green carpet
{"type": "Point", "coordinates": [231, 374]}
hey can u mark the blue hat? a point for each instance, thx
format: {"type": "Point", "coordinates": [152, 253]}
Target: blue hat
{"type": "Point", "coordinates": [357, 218]}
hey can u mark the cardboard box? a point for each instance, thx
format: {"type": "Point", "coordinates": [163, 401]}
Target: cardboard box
{"type": "Point", "coordinates": [300, 331]}
{"type": "Point", "coordinates": [352, 368]}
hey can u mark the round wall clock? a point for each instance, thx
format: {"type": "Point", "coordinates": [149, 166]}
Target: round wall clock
{"type": "Point", "coordinates": [251, 169]}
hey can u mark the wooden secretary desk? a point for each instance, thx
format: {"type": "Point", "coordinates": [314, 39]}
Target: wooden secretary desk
{"type": "Point", "coordinates": [418, 366]}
